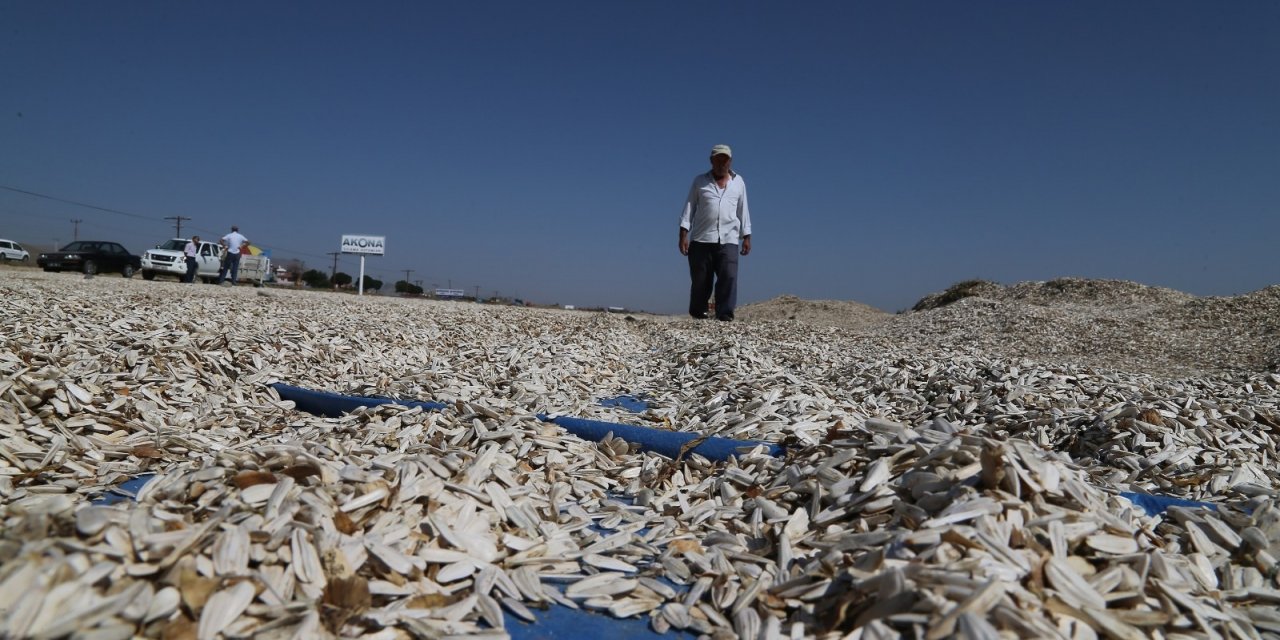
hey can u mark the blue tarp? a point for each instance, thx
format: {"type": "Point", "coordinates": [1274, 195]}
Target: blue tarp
{"type": "Point", "coordinates": [630, 403]}
{"type": "Point", "coordinates": [1156, 505]}
{"type": "Point", "coordinates": [667, 443]}
{"type": "Point", "coordinates": [127, 490]}
{"type": "Point", "coordinates": [560, 623]}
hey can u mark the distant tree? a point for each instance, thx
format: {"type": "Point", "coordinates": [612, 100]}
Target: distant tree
{"type": "Point", "coordinates": [295, 268]}
{"type": "Point", "coordinates": [404, 286]}
{"type": "Point", "coordinates": [341, 279]}
{"type": "Point", "coordinates": [372, 285]}
{"type": "Point", "coordinates": [316, 279]}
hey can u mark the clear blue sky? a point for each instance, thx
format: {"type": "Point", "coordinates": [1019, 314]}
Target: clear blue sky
{"type": "Point", "coordinates": [543, 149]}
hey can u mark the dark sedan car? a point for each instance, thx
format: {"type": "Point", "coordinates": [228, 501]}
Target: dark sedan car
{"type": "Point", "coordinates": [90, 257]}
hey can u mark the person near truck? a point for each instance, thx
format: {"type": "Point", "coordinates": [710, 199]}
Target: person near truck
{"type": "Point", "coordinates": [715, 227]}
{"type": "Point", "coordinates": [190, 252]}
{"type": "Point", "coordinates": [231, 263]}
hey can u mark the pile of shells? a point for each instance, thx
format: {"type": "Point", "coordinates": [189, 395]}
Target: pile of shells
{"type": "Point", "coordinates": [1100, 324]}
{"type": "Point", "coordinates": [927, 491]}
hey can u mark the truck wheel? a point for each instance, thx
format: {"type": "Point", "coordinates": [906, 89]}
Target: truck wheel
{"type": "Point", "coordinates": [127, 271]}
{"type": "Point", "coordinates": [148, 275]}
{"type": "Point", "coordinates": [90, 268]}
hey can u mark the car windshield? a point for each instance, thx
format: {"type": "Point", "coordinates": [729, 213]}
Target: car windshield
{"type": "Point", "coordinates": [176, 244]}
{"type": "Point", "coordinates": [81, 246]}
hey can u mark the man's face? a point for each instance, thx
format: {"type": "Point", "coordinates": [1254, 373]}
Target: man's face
{"type": "Point", "coordinates": [720, 164]}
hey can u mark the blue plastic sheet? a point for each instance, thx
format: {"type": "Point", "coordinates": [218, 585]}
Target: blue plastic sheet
{"type": "Point", "coordinates": [1156, 505]}
{"type": "Point", "coordinates": [333, 405]}
{"type": "Point", "coordinates": [633, 404]}
{"type": "Point", "coordinates": [668, 443]}
{"type": "Point", "coordinates": [127, 490]}
{"type": "Point", "coordinates": [561, 623]}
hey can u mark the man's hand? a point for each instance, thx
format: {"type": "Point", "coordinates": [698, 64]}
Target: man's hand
{"type": "Point", "coordinates": [746, 245]}
{"type": "Point", "coordinates": [684, 241]}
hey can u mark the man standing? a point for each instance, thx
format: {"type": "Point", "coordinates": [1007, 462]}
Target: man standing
{"type": "Point", "coordinates": [232, 241]}
{"type": "Point", "coordinates": [715, 227]}
{"type": "Point", "coordinates": [191, 251]}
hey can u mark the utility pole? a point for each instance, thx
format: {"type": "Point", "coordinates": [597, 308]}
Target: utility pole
{"type": "Point", "coordinates": [334, 271]}
{"type": "Point", "coordinates": [177, 224]}
{"type": "Point", "coordinates": [477, 293]}
{"type": "Point", "coordinates": [75, 229]}
{"type": "Point", "coordinates": [406, 274]}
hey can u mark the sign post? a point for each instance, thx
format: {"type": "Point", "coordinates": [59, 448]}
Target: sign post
{"type": "Point", "coordinates": [364, 245]}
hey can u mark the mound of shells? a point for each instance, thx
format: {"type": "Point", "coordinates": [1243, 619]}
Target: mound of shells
{"type": "Point", "coordinates": [930, 489]}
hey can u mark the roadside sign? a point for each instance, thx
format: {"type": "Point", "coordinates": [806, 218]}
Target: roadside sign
{"type": "Point", "coordinates": [364, 246]}
{"type": "Point", "coordinates": [370, 245]}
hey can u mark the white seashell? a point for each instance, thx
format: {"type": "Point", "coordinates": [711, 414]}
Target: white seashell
{"type": "Point", "coordinates": [602, 584]}
{"type": "Point", "coordinates": [365, 500]}
{"type": "Point", "coordinates": [1071, 585]}
{"type": "Point", "coordinates": [257, 494]}
{"type": "Point", "coordinates": [1113, 544]}
{"type": "Point", "coordinates": [231, 552]}
{"type": "Point", "coordinates": [608, 563]}
{"type": "Point", "coordinates": [84, 397]}
{"type": "Point", "coordinates": [306, 563]}
{"type": "Point", "coordinates": [223, 608]}
{"type": "Point", "coordinates": [875, 475]}
{"type": "Point", "coordinates": [162, 605]}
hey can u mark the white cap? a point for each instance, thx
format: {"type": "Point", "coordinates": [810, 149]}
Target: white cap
{"type": "Point", "coordinates": [722, 148]}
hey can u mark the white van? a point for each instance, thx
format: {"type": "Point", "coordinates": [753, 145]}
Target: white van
{"type": "Point", "coordinates": [167, 259]}
{"type": "Point", "coordinates": [10, 250]}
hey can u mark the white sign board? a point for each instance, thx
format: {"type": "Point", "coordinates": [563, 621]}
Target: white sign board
{"type": "Point", "coordinates": [373, 245]}
{"type": "Point", "coordinates": [450, 293]}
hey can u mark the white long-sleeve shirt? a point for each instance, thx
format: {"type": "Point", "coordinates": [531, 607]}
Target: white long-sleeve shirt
{"type": "Point", "coordinates": [712, 214]}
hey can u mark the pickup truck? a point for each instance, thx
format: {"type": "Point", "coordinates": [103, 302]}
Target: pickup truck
{"type": "Point", "coordinates": [167, 259]}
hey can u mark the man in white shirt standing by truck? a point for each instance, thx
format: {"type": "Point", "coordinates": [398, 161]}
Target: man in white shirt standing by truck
{"type": "Point", "coordinates": [232, 241]}
{"type": "Point", "coordinates": [189, 253]}
{"type": "Point", "coordinates": [715, 227]}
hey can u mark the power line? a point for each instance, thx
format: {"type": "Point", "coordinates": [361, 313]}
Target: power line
{"type": "Point", "coordinates": [78, 204]}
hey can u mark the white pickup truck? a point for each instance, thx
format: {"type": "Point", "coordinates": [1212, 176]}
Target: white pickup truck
{"type": "Point", "coordinates": [168, 259]}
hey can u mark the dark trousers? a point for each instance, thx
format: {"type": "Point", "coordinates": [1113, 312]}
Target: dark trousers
{"type": "Point", "coordinates": [191, 270]}
{"type": "Point", "coordinates": [231, 263]}
{"type": "Point", "coordinates": [710, 263]}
